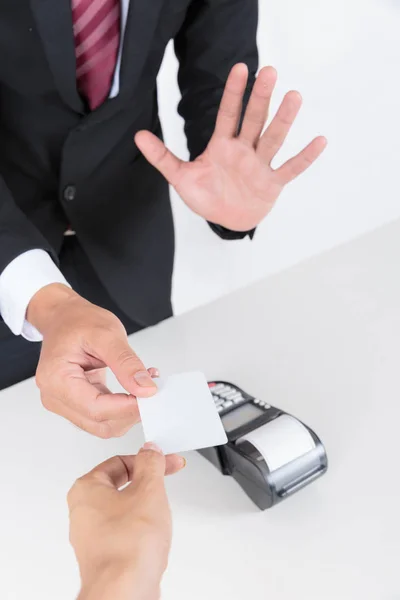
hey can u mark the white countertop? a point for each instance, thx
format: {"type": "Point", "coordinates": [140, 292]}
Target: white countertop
{"type": "Point", "coordinates": [322, 341]}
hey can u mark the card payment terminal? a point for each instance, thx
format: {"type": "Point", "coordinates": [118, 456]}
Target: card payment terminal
{"type": "Point", "coordinates": [270, 453]}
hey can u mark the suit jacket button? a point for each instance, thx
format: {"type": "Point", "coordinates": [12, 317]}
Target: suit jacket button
{"type": "Point", "coordinates": [70, 193]}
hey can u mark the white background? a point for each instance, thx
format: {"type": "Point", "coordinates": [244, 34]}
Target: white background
{"type": "Point", "coordinates": [344, 58]}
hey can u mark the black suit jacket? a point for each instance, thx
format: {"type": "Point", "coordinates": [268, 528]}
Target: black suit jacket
{"type": "Point", "coordinates": [61, 164]}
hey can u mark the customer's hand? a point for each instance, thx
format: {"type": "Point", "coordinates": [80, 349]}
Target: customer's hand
{"type": "Point", "coordinates": [79, 341]}
{"type": "Point", "coordinates": [232, 183]}
{"type": "Point", "coordinates": [122, 538]}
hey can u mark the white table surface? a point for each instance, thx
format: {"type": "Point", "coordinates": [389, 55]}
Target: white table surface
{"type": "Point", "coordinates": [322, 341]}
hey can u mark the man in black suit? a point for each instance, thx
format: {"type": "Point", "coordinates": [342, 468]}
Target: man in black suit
{"type": "Point", "coordinates": [86, 232]}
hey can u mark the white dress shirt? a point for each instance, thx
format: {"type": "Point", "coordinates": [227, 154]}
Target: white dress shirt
{"type": "Point", "coordinates": [33, 270]}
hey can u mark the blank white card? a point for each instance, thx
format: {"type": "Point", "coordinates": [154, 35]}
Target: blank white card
{"type": "Point", "coordinates": [182, 415]}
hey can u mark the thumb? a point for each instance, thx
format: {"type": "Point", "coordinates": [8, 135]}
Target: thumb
{"type": "Point", "coordinates": [128, 368]}
{"type": "Point", "coordinates": [150, 467]}
{"type": "Point", "coordinates": [159, 156]}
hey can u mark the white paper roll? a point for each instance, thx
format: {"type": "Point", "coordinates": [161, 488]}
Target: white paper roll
{"type": "Point", "coordinates": [280, 441]}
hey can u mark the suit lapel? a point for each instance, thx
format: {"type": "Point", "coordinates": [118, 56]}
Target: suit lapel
{"type": "Point", "coordinates": [141, 24]}
{"type": "Point", "coordinates": [54, 22]}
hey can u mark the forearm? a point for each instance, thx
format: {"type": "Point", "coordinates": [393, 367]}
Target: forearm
{"type": "Point", "coordinates": [27, 263]}
{"type": "Point", "coordinates": [215, 36]}
{"type": "Point", "coordinates": [17, 233]}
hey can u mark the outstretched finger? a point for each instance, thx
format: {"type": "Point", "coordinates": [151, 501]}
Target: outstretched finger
{"type": "Point", "coordinates": [231, 104]}
{"type": "Point", "coordinates": [302, 161]}
{"type": "Point", "coordinates": [257, 109]}
{"type": "Point", "coordinates": [277, 131]}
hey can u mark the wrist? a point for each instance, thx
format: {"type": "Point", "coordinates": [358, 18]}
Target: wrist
{"type": "Point", "coordinates": [44, 304]}
{"type": "Point", "coordinates": [119, 583]}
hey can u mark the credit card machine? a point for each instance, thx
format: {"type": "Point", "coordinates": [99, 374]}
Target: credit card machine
{"type": "Point", "coordinates": [270, 453]}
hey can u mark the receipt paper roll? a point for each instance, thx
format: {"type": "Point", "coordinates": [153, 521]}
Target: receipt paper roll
{"type": "Point", "coordinates": [280, 441]}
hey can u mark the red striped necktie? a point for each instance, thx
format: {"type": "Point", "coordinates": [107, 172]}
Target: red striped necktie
{"type": "Point", "coordinates": [97, 32]}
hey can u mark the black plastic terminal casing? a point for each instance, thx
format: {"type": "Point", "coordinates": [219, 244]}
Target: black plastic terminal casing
{"type": "Point", "coordinates": [242, 461]}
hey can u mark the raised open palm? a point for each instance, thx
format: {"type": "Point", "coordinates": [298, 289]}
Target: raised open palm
{"type": "Point", "coordinates": [232, 183]}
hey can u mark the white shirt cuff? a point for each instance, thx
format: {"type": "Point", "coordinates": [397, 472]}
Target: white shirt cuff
{"type": "Point", "coordinates": [19, 282]}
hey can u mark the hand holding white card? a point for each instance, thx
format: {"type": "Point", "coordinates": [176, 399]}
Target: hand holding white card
{"type": "Point", "coordinates": [182, 415]}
